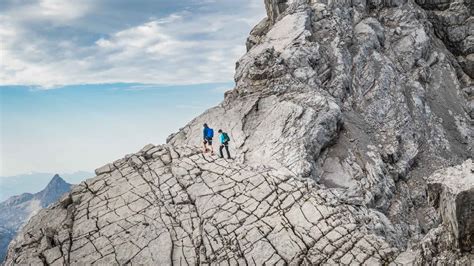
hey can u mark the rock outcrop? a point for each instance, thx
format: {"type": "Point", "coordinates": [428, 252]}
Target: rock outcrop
{"type": "Point", "coordinates": [17, 210]}
{"type": "Point", "coordinates": [452, 192]}
{"type": "Point", "coordinates": [454, 23]}
{"type": "Point", "coordinates": [341, 112]}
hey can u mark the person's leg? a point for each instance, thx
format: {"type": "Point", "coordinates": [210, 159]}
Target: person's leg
{"type": "Point", "coordinates": [205, 148]}
{"type": "Point", "coordinates": [220, 151]}
{"type": "Point", "coordinates": [227, 150]}
{"type": "Point", "coordinates": [212, 148]}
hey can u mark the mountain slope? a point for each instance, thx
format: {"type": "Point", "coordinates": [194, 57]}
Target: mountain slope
{"type": "Point", "coordinates": [17, 210]}
{"type": "Point", "coordinates": [344, 116]}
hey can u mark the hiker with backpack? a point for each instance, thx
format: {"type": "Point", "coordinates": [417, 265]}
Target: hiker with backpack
{"type": "Point", "coordinates": [208, 134]}
{"type": "Point", "coordinates": [224, 139]}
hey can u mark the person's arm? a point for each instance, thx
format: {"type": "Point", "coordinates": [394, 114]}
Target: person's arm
{"type": "Point", "coordinates": [204, 133]}
{"type": "Point", "coordinates": [221, 137]}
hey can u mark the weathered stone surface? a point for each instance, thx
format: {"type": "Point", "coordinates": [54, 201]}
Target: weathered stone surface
{"type": "Point", "coordinates": [369, 86]}
{"type": "Point", "coordinates": [104, 169]}
{"type": "Point", "coordinates": [198, 209]}
{"type": "Point", "coordinates": [452, 191]}
{"type": "Point", "coordinates": [453, 22]}
{"type": "Point", "coordinates": [341, 110]}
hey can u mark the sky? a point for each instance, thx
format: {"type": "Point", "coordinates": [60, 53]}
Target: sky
{"type": "Point", "coordinates": [83, 83]}
{"type": "Point", "coordinates": [82, 127]}
{"type": "Point", "coordinates": [61, 42]}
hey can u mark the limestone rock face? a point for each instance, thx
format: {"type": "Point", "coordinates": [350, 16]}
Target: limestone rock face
{"type": "Point", "coordinates": [452, 191]}
{"type": "Point", "coordinates": [352, 96]}
{"type": "Point", "coordinates": [454, 23]}
{"type": "Point", "coordinates": [185, 207]}
{"type": "Point", "coordinates": [341, 112]}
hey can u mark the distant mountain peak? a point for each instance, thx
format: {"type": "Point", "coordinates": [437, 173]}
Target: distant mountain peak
{"type": "Point", "coordinates": [57, 179]}
{"type": "Point", "coordinates": [57, 186]}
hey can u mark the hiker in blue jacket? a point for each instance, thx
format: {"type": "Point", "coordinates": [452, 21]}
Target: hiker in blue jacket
{"type": "Point", "coordinates": [208, 134]}
{"type": "Point", "coordinates": [224, 139]}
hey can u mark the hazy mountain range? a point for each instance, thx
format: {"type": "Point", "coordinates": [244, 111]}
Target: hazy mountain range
{"type": "Point", "coordinates": [32, 182]}
{"type": "Point", "coordinates": [17, 210]}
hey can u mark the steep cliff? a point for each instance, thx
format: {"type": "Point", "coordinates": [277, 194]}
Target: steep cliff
{"type": "Point", "coordinates": [342, 111]}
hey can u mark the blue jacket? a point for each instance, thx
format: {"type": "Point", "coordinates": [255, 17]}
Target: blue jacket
{"type": "Point", "coordinates": [208, 133]}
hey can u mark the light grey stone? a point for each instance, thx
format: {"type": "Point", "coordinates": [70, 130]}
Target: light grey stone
{"type": "Point", "coordinates": [147, 148]}
{"type": "Point", "coordinates": [104, 169]}
{"type": "Point", "coordinates": [452, 191]}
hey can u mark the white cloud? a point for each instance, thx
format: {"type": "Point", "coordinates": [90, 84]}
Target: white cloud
{"type": "Point", "coordinates": [59, 11]}
{"type": "Point", "coordinates": [59, 42]}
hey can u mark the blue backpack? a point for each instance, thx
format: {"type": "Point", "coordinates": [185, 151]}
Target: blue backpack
{"type": "Point", "coordinates": [210, 133]}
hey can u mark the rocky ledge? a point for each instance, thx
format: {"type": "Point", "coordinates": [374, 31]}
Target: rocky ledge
{"type": "Point", "coordinates": [183, 207]}
{"type": "Point", "coordinates": [174, 205]}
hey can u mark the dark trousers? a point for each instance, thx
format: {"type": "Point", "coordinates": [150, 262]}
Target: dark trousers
{"type": "Point", "coordinates": [226, 146]}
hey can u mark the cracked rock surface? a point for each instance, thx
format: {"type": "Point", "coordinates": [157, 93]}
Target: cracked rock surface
{"type": "Point", "coordinates": [183, 207]}
{"type": "Point", "coordinates": [341, 112]}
